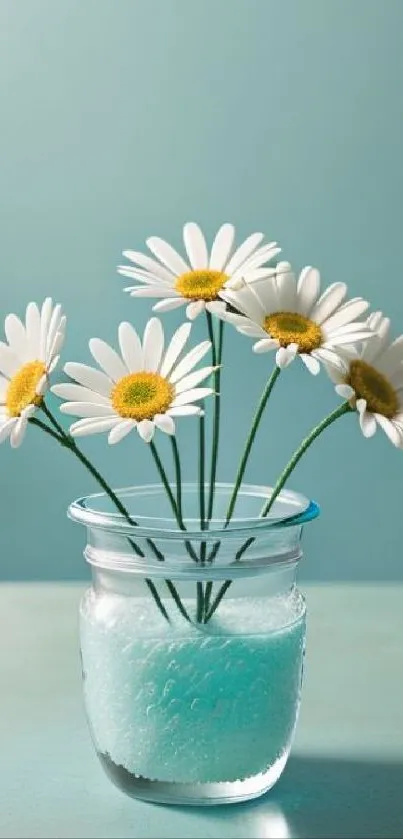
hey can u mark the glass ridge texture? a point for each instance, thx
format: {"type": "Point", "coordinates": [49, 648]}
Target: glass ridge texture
{"type": "Point", "coordinates": [185, 710]}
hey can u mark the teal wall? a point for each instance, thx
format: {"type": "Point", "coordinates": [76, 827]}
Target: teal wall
{"type": "Point", "coordinates": [122, 119]}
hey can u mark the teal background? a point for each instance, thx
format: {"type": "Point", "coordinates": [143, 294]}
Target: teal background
{"type": "Point", "coordinates": [120, 120]}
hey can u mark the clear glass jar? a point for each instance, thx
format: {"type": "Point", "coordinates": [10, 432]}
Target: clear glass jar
{"type": "Point", "coordinates": [192, 699]}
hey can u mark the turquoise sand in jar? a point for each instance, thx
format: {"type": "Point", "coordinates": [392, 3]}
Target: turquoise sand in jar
{"type": "Point", "coordinates": [192, 702]}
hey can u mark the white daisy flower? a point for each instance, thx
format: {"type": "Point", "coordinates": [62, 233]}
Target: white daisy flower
{"type": "Point", "coordinates": [26, 362]}
{"type": "Point", "coordinates": [197, 283]}
{"type": "Point", "coordinates": [373, 383]}
{"type": "Point", "coordinates": [292, 319]}
{"type": "Point", "coordinates": [144, 388]}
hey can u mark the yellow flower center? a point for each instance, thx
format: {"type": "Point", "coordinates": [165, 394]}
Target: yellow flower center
{"type": "Point", "coordinates": [293, 328]}
{"type": "Point", "coordinates": [142, 395]}
{"type": "Point", "coordinates": [200, 285]}
{"type": "Point", "coordinates": [21, 391]}
{"type": "Point", "coordinates": [370, 384]}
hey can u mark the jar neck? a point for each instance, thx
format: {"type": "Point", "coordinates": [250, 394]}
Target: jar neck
{"type": "Point", "coordinates": [273, 580]}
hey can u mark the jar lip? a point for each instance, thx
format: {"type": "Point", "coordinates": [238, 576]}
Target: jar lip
{"type": "Point", "coordinates": [291, 509]}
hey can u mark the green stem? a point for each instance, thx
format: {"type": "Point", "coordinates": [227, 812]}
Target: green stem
{"type": "Point", "coordinates": [68, 442]}
{"type": "Point", "coordinates": [345, 408]}
{"type": "Point", "coordinates": [200, 602]}
{"type": "Point", "coordinates": [249, 442]}
{"type": "Point", "coordinates": [178, 476]}
{"type": "Point", "coordinates": [216, 358]}
{"type": "Point", "coordinates": [171, 497]}
{"type": "Point", "coordinates": [207, 598]}
{"type": "Point", "coordinates": [168, 490]}
{"type": "Point", "coordinates": [202, 458]}
{"type": "Point", "coordinates": [202, 509]}
{"type": "Point", "coordinates": [217, 600]}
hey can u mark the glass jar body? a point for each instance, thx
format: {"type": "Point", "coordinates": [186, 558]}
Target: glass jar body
{"type": "Point", "coordinates": [192, 712]}
{"type": "Point", "coordinates": [193, 699]}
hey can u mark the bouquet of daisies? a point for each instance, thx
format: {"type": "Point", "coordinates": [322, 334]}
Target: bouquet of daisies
{"type": "Point", "coordinates": [151, 383]}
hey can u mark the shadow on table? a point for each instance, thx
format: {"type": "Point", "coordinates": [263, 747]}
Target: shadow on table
{"type": "Point", "coordinates": [320, 798]}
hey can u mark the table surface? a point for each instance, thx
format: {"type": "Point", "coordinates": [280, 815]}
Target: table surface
{"type": "Point", "coordinates": [345, 775]}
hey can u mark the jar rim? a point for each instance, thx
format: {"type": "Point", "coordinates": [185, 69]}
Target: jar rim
{"type": "Point", "coordinates": [291, 509]}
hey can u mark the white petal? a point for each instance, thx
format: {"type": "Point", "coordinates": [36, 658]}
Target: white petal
{"type": "Point", "coordinates": [146, 430]}
{"type": "Point", "coordinates": [265, 345]}
{"type": "Point", "coordinates": [392, 358]}
{"type": "Point", "coordinates": [144, 277]}
{"type": "Point", "coordinates": [29, 411]}
{"type": "Point", "coordinates": [87, 409]}
{"type": "Point", "coordinates": [195, 245]}
{"type": "Point", "coordinates": [268, 296]}
{"type": "Point", "coordinates": [285, 356]}
{"type": "Point", "coordinates": [83, 427]}
{"type": "Point", "coordinates": [130, 347]}
{"type": "Point", "coordinates": [4, 383]}
{"type": "Point", "coordinates": [119, 431]}
{"type": "Point", "coordinates": [308, 289]}
{"type": "Point", "coordinates": [46, 314]}
{"type": "Point", "coordinates": [194, 309]}
{"type": "Point", "coordinates": [149, 264]}
{"type": "Point", "coordinates": [175, 348]}
{"type": "Point", "coordinates": [390, 429]}
{"type": "Point", "coordinates": [361, 406]}
{"type": "Point", "coordinates": [345, 391]}
{"type": "Point", "coordinates": [192, 395]}
{"type": "Point", "coordinates": [167, 255]}
{"type": "Point", "coordinates": [53, 364]}
{"type": "Point", "coordinates": [6, 427]}
{"type": "Point", "coordinates": [247, 301]}
{"type": "Point", "coordinates": [108, 359]}
{"type": "Point", "coordinates": [241, 254]}
{"type": "Point", "coordinates": [367, 423]}
{"type": "Point", "coordinates": [89, 377]}
{"type": "Point", "coordinates": [251, 330]}
{"type": "Point", "coordinates": [216, 307]}
{"type": "Point", "coordinates": [78, 393]}
{"type": "Point", "coordinates": [154, 291]}
{"type": "Point", "coordinates": [311, 363]}
{"type": "Point", "coordinates": [18, 432]}
{"type": "Point", "coordinates": [193, 379]}
{"type": "Point", "coordinates": [257, 260]}
{"type": "Point", "coordinates": [57, 344]}
{"type": "Point", "coordinates": [153, 345]}
{"type": "Point", "coordinates": [222, 247]}
{"type": "Point", "coordinates": [336, 340]}
{"type": "Point", "coordinates": [9, 362]}
{"type": "Point", "coordinates": [287, 290]}
{"type": "Point", "coordinates": [331, 358]}
{"type": "Point", "coordinates": [16, 336]}
{"type": "Point", "coordinates": [189, 361]}
{"type": "Point", "coordinates": [330, 300]}
{"type": "Point", "coordinates": [255, 275]}
{"type": "Point", "coordinates": [42, 386]}
{"type": "Point", "coordinates": [54, 326]}
{"type": "Point", "coordinates": [376, 345]}
{"type": "Point", "coordinates": [169, 304]}
{"type": "Point", "coordinates": [33, 329]}
{"type": "Point", "coordinates": [165, 423]}
{"type": "Point", "coordinates": [350, 311]}
{"type": "Point", "coordinates": [185, 411]}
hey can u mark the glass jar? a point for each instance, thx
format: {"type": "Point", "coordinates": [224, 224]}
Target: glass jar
{"type": "Point", "coordinates": [192, 643]}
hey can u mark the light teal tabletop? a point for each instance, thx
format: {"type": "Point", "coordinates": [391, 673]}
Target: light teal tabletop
{"type": "Point", "coordinates": [345, 776]}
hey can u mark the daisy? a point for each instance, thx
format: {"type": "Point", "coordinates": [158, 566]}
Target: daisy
{"type": "Point", "coordinates": [373, 383]}
{"type": "Point", "coordinates": [199, 282]}
{"type": "Point", "coordinates": [143, 388]}
{"type": "Point", "coordinates": [292, 319]}
{"type": "Point", "coordinates": [26, 362]}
